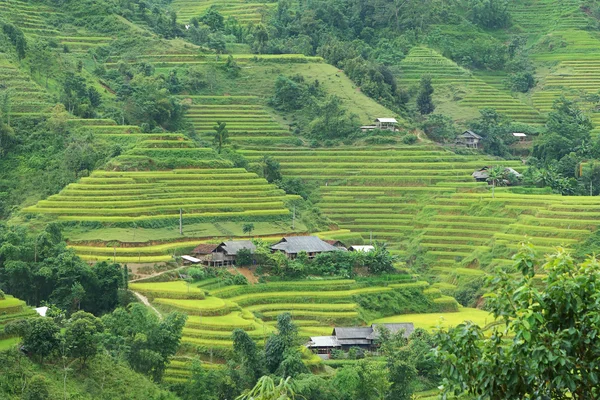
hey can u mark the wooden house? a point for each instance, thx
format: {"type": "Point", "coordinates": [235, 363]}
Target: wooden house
{"type": "Point", "coordinates": [226, 252]}
{"type": "Point", "coordinates": [293, 245]}
{"type": "Point", "coordinates": [469, 139]}
{"type": "Point", "coordinates": [204, 252]}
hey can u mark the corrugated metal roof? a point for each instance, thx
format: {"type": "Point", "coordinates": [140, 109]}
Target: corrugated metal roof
{"type": "Point", "coordinates": [390, 120]}
{"type": "Point", "coordinates": [297, 244]}
{"type": "Point", "coordinates": [323, 341]}
{"type": "Point", "coordinates": [191, 259]}
{"type": "Point", "coordinates": [471, 134]}
{"type": "Point", "coordinates": [232, 247]}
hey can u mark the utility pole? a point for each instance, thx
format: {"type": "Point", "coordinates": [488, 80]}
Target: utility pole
{"type": "Point", "coordinates": [294, 218]}
{"type": "Point", "coordinates": [181, 221]}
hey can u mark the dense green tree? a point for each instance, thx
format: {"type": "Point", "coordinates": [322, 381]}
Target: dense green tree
{"type": "Point", "coordinates": [16, 37]}
{"type": "Point", "coordinates": [289, 94]}
{"type": "Point", "coordinates": [439, 128]}
{"type": "Point", "coordinates": [492, 14]}
{"type": "Point", "coordinates": [545, 346]}
{"type": "Point", "coordinates": [424, 99]}
{"type": "Point", "coordinates": [40, 336]}
{"type": "Point", "coordinates": [146, 342]}
{"type": "Point", "coordinates": [82, 335]}
{"type": "Point", "coordinates": [247, 356]}
{"type": "Point", "coordinates": [37, 389]}
{"type": "Point", "coordinates": [332, 121]}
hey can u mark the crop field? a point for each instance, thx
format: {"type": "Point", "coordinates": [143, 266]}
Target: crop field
{"type": "Point", "coordinates": [181, 179]}
{"type": "Point", "coordinates": [33, 20]}
{"type": "Point", "coordinates": [248, 122]}
{"type": "Point", "coordinates": [27, 96]}
{"type": "Point", "coordinates": [316, 306]}
{"type": "Point", "coordinates": [11, 309]}
{"type": "Point", "coordinates": [445, 320]}
{"type": "Point", "coordinates": [477, 93]}
{"type": "Point", "coordinates": [243, 12]}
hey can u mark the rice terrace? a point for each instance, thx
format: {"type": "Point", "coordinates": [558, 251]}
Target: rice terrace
{"type": "Point", "coordinates": [317, 200]}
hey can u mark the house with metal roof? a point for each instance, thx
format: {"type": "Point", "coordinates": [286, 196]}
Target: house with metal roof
{"type": "Point", "coordinates": [226, 252]}
{"type": "Point", "coordinates": [344, 338]}
{"type": "Point", "coordinates": [291, 246]}
{"type": "Point", "coordinates": [390, 124]}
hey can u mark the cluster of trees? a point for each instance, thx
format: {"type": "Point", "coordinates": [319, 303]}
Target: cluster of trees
{"type": "Point", "coordinates": [146, 98]}
{"type": "Point", "coordinates": [563, 157]}
{"type": "Point", "coordinates": [134, 335]}
{"type": "Point", "coordinates": [252, 372]}
{"type": "Point", "coordinates": [40, 269]}
{"type": "Point", "coordinates": [341, 263]}
{"type": "Point", "coordinates": [323, 116]}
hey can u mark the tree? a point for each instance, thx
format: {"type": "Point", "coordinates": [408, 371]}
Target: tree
{"type": "Point", "coordinates": [545, 346]}
{"type": "Point", "coordinates": [221, 136]}
{"type": "Point", "coordinates": [40, 336]}
{"type": "Point", "coordinates": [146, 342]}
{"type": "Point", "coordinates": [439, 128]}
{"type": "Point", "coordinates": [271, 169]}
{"type": "Point", "coordinates": [82, 335]}
{"type": "Point", "coordinates": [37, 389]}
{"type": "Point", "coordinates": [424, 99]}
{"type": "Point", "coordinates": [492, 14]}
{"type": "Point", "coordinates": [265, 389]}
{"type": "Point", "coordinates": [496, 176]}
{"type": "Point", "coordinates": [246, 355]}
{"type": "Point", "coordinates": [248, 228]}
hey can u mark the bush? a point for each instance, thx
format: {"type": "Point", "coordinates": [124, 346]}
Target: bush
{"type": "Point", "coordinates": [409, 139]}
{"type": "Point", "coordinates": [2, 297]}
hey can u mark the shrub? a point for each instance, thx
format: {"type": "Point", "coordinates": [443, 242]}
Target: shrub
{"type": "Point", "coordinates": [2, 297]}
{"type": "Point", "coordinates": [409, 139]}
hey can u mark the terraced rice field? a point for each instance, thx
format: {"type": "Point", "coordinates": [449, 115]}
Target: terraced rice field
{"type": "Point", "coordinates": [27, 97]}
{"type": "Point", "coordinates": [248, 122]}
{"type": "Point", "coordinates": [535, 16]}
{"type": "Point", "coordinates": [315, 305]}
{"type": "Point", "coordinates": [32, 18]}
{"type": "Point", "coordinates": [165, 61]}
{"type": "Point", "coordinates": [380, 192]}
{"type": "Point", "coordinates": [207, 190]}
{"type": "Point", "coordinates": [447, 76]}
{"type": "Point", "coordinates": [243, 12]}
{"type": "Point", "coordinates": [12, 309]}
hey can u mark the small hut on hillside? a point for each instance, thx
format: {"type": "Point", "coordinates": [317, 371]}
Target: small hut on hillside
{"type": "Point", "coordinates": [469, 139]}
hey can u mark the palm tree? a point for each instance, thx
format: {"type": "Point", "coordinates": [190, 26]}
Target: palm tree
{"type": "Point", "coordinates": [496, 176]}
{"type": "Point", "coordinates": [221, 135]}
{"type": "Point", "coordinates": [265, 389]}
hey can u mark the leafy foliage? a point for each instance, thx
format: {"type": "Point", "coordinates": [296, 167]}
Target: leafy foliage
{"type": "Point", "coordinates": [546, 336]}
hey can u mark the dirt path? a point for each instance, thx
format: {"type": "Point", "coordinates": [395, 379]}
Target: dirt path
{"type": "Point", "coordinates": [246, 272]}
{"type": "Point", "coordinates": [144, 300]}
